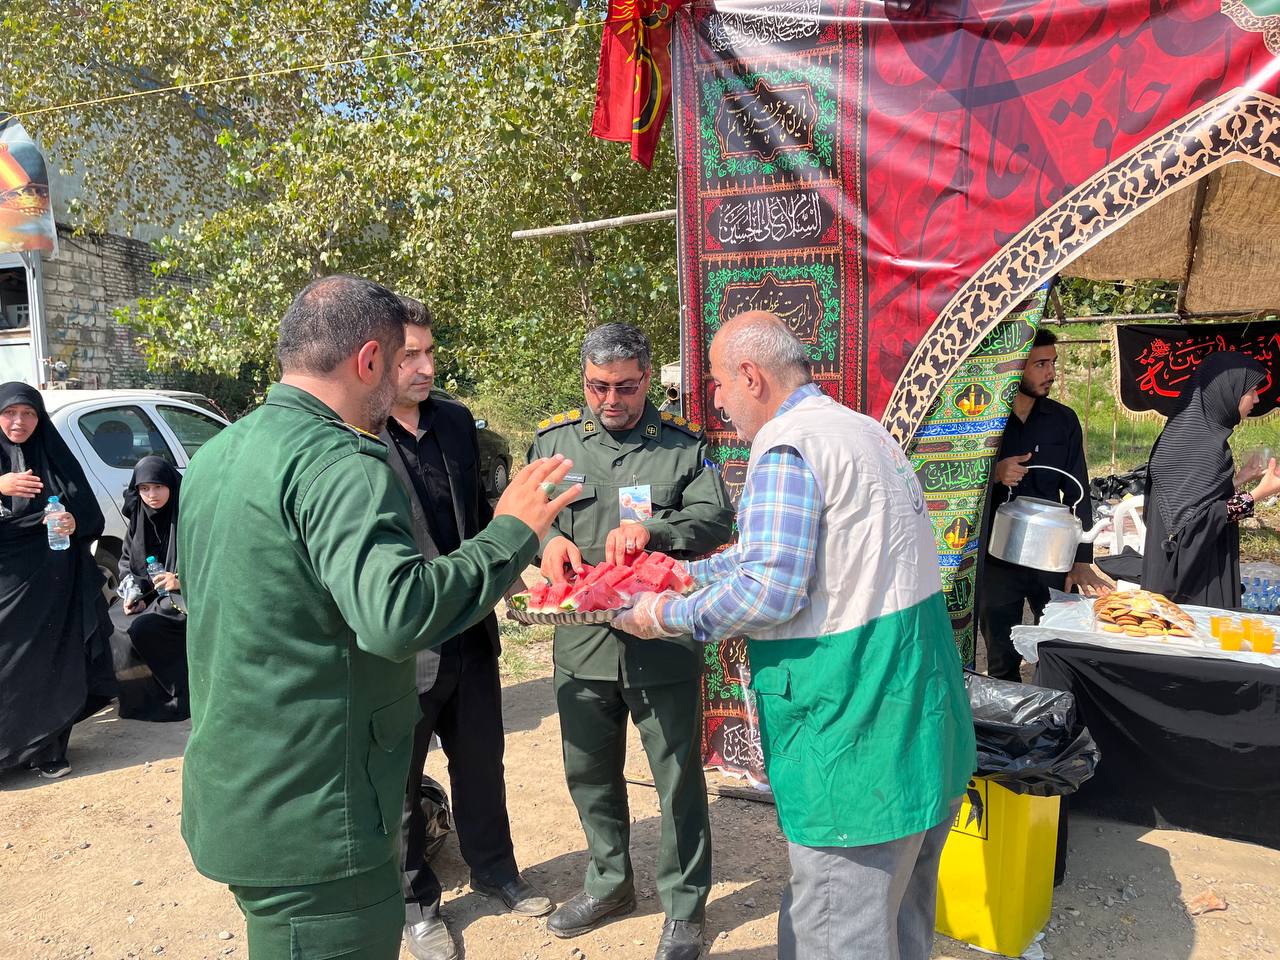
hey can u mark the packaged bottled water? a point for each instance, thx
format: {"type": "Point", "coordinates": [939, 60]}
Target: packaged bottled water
{"type": "Point", "coordinates": [154, 569]}
{"type": "Point", "coordinates": [54, 508]}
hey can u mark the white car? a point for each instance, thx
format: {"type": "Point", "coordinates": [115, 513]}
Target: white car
{"type": "Point", "coordinates": [111, 430]}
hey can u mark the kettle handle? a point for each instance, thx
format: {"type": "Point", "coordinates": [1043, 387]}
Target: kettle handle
{"type": "Point", "coordinates": [1041, 466]}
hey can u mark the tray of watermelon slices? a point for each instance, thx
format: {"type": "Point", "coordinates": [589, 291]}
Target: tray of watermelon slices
{"type": "Point", "coordinates": [599, 593]}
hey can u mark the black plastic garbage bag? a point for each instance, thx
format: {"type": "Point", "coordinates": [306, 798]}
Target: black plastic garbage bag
{"type": "Point", "coordinates": [1028, 737]}
{"type": "Point", "coordinates": [1125, 565]}
{"type": "Point", "coordinates": [435, 814]}
{"type": "Point", "coordinates": [1113, 487]}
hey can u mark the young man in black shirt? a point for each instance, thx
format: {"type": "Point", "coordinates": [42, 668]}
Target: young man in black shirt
{"type": "Point", "coordinates": [435, 451]}
{"type": "Point", "coordinates": [1040, 432]}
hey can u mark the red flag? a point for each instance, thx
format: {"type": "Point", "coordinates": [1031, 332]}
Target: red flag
{"type": "Point", "coordinates": [633, 88]}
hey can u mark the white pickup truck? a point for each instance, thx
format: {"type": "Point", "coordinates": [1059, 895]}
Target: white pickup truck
{"type": "Point", "coordinates": [111, 430]}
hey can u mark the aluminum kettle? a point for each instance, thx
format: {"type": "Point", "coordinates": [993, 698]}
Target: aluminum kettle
{"type": "Point", "coordinates": [1041, 534]}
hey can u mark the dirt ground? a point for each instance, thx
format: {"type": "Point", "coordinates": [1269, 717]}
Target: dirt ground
{"type": "Point", "coordinates": [93, 866]}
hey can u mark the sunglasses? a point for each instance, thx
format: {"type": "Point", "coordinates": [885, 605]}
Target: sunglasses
{"type": "Point", "coordinates": [599, 389]}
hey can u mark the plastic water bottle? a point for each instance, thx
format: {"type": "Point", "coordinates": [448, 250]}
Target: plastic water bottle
{"type": "Point", "coordinates": [1270, 596]}
{"type": "Point", "coordinates": [57, 541]}
{"type": "Point", "coordinates": [154, 569]}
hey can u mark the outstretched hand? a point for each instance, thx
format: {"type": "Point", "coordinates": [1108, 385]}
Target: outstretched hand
{"type": "Point", "coordinates": [1269, 485]}
{"type": "Point", "coordinates": [644, 619]}
{"type": "Point", "coordinates": [25, 485]}
{"type": "Point", "coordinates": [526, 500]}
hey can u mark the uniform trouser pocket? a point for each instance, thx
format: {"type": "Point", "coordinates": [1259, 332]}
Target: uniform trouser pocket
{"type": "Point", "coordinates": [369, 933]}
{"type": "Point", "coordinates": [355, 918]}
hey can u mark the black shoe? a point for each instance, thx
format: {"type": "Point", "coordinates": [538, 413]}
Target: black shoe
{"type": "Point", "coordinates": [584, 912]}
{"type": "Point", "coordinates": [681, 940]}
{"type": "Point", "coordinates": [53, 769]}
{"type": "Point", "coordinates": [519, 895]}
{"type": "Point", "coordinates": [430, 939]}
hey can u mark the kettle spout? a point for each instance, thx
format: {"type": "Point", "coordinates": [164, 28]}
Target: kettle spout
{"type": "Point", "coordinates": [1099, 528]}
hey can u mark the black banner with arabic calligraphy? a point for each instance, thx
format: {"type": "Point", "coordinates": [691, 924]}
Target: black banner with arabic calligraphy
{"type": "Point", "coordinates": [1155, 363]}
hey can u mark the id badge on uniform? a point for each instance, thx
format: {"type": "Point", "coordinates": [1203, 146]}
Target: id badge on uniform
{"type": "Point", "coordinates": [635, 504]}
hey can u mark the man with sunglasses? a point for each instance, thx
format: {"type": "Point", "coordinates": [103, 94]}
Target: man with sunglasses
{"type": "Point", "coordinates": [646, 485]}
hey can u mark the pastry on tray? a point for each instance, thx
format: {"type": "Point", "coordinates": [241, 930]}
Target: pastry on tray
{"type": "Point", "coordinates": [1140, 613]}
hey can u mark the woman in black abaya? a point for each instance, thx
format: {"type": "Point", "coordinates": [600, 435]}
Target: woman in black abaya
{"type": "Point", "coordinates": [55, 665]}
{"type": "Point", "coordinates": [155, 626]}
{"type": "Point", "coordinates": [1192, 510]}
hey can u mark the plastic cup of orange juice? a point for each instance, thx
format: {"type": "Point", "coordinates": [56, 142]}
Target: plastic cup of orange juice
{"type": "Point", "coordinates": [1217, 622]}
{"type": "Point", "coordinates": [1231, 638]}
{"type": "Point", "coordinates": [1263, 640]}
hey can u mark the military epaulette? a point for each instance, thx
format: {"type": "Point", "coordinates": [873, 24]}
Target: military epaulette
{"type": "Point", "coordinates": [364, 434]}
{"type": "Point", "coordinates": [559, 420]}
{"type": "Point", "coordinates": [681, 423]}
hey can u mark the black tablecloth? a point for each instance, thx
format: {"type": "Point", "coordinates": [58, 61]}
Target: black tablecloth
{"type": "Point", "coordinates": [1187, 742]}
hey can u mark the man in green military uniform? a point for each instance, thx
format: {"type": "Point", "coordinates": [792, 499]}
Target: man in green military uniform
{"type": "Point", "coordinates": [646, 485]}
{"type": "Point", "coordinates": [308, 601]}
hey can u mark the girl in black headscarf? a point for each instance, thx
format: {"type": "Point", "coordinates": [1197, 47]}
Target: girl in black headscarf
{"type": "Point", "coordinates": [1192, 510]}
{"type": "Point", "coordinates": [156, 626]}
{"type": "Point", "coordinates": [55, 665]}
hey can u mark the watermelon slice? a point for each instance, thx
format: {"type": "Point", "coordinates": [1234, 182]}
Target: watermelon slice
{"type": "Point", "coordinates": [520, 601]}
{"type": "Point", "coordinates": [616, 575]}
{"type": "Point", "coordinates": [597, 572]}
{"type": "Point", "coordinates": [590, 597]}
{"type": "Point", "coordinates": [556, 594]}
{"type": "Point", "coordinates": [683, 582]}
{"type": "Point", "coordinates": [538, 595]}
{"type": "Point", "coordinates": [628, 586]}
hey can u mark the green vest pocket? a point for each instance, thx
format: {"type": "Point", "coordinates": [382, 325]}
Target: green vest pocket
{"type": "Point", "coordinates": [782, 728]}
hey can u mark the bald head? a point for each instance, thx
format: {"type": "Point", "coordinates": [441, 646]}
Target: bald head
{"type": "Point", "coordinates": [756, 363]}
{"type": "Point", "coordinates": [761, 338]}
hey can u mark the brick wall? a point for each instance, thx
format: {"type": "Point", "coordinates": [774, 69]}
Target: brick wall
{"type": "Point", "coordinates": [92, 275]}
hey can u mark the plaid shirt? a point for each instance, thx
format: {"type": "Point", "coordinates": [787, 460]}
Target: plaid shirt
{"type": "Point", "coordinates": [763, 579]}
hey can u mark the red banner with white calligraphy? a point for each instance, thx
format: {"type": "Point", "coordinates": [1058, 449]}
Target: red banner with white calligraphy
{"type": "Point", "coordinates": [899, 181]}
{"type": "Point", "coordinates": [1155, 363]}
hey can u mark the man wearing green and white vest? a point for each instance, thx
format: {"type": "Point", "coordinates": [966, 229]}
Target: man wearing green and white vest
{"type": "Point", "coordinates": [865, 723]}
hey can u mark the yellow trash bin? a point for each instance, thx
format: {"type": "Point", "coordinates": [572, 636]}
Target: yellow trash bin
{"type": "Point", "coordinates": [995, 885]}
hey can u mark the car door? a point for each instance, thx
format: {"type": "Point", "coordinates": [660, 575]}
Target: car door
{"type": "Point", "coordinates": [189, 428]}
{"type": "Point", "coordinates": [114, 436]}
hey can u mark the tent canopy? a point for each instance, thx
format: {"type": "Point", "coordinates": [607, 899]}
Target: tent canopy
{"type": "Point", "coordinates": [1219, 238]}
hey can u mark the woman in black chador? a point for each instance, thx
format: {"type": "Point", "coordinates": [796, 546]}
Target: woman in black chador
{"type": "Point", "coordinates": [155, 625]}
{"type": "Point", "coordinates": [55, 663]}
{"type": "Point", "coordinates": [1192, 510]}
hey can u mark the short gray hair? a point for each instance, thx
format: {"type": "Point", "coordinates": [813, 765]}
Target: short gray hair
{"type": "Point", "coordinates": [766, 341]}
{"type": "Point", "coordinates": [614, 343]}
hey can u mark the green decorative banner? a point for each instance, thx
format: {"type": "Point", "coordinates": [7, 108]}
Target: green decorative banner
{"type": "Point", "coordinates": [954, 451]}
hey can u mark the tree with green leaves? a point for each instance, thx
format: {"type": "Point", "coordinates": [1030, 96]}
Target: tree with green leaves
{"type": "Point", "coordinates": [443, 127]}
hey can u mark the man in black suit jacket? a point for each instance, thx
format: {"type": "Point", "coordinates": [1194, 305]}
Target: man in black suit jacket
{"type": "Point", "coordinates": [435, 450]}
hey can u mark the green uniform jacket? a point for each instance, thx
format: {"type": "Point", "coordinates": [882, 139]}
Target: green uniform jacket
{"type": "Point", "coordinates": [308, 601]}
{"type": "Point", "coordinates": [692, 515]}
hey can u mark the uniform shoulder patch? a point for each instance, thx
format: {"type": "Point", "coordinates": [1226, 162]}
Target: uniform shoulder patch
{"type": "Point", "coordinates": [680, 423]}
{"type": "Point", "coordinates": [559, 420]}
